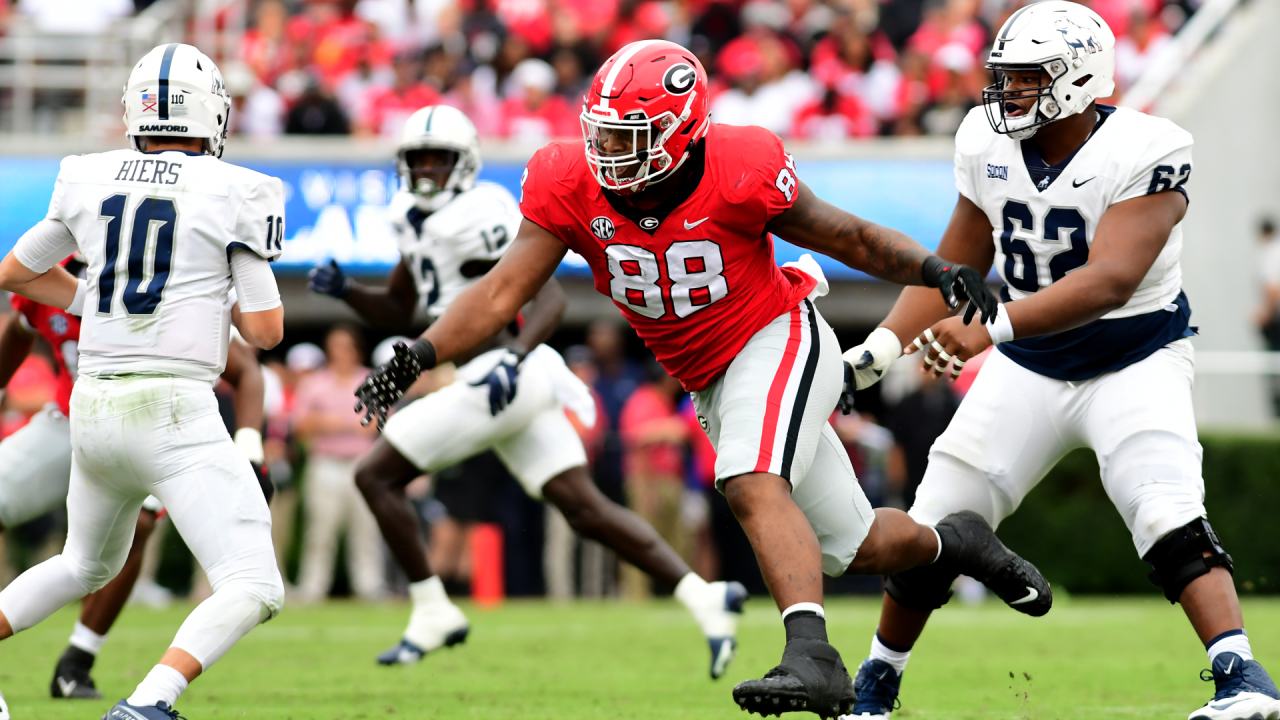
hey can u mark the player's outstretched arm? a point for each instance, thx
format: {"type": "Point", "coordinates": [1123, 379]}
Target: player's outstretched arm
{"type": "Point", "coordinates": [967, 240]}
{"type": "Point", "coordinates": [15, 345]}
{"type": "Point", "coordinates": [1129, 238]}
{"type": "Point", "coordinates": [541, 316]}
{"type": "Point", "coordinates": [476, 316]}
{"type": "Point", "coordinates": [492, 303]}
{"type": "Point", "coordinates": [391, 307]}
{"type": "Point", "coordinates": [879, 251]}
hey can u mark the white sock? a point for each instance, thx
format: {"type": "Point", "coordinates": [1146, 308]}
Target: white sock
{"type": "Point", "coordinates": [805, 607]}
{"type": "Point", "coordinates": [896, 659]}
{"type": "Point", "coordinates": [162, 684]}
{"type": "Point", "coordinates": [428, 592]}
{"type": "Point", "coordinates": [86, 639]}
{"type": "Point", "coordinates": [691, 589]}
{"type": "Point", "coordinates": [1232, 641]}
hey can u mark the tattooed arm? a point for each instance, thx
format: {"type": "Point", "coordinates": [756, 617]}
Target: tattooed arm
{"type": "Point", "coordinates": [878, 251]}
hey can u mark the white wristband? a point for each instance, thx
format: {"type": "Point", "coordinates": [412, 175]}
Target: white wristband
{"type": "Point", "coordinates": [77, 303]}
{"type": "Point", "coordinates": [1000, 329]}
{"type": "Point", "coordinates": [250, 443]}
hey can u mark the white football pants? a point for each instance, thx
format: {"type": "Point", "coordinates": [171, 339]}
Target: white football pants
{"type": "Point", "coordinates": [140, 435]}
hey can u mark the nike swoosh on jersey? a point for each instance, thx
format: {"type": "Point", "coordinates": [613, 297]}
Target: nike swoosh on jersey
{"type": "Point", "coordinates": [689, 226]}
{"type": "Point", "coordinates": [1031, 595]}
{"type": "Point", "coordinates": [1075, 184]}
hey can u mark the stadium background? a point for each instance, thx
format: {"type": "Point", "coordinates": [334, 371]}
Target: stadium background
{"type": "Point", "coordinates": [867, 94]}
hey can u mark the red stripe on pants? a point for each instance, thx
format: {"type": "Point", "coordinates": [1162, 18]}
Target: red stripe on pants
{"type": "Point", "coordinates": [779, 386]}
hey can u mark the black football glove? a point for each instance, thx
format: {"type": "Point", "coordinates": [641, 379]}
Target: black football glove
{"type": "Point", "coordinates": [327, 278]}
{"type": "Point", "coordinates": [263, 474]}
{"type": "Point", "coordinates": [386, 385]}
{"type": "Point", "coordinates": [502, 379]}
{"type": "Point", "coordinates": [957, 283]}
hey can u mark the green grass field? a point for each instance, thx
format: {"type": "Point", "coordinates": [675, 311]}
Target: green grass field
{"type": "Point", "coordinates": [1087, 659]}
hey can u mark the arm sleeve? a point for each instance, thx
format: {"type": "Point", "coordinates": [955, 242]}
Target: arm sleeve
{"type": "Point", "coordinates": [46, 244]}
{"type": "Point", "coordinates": [260, 221]}
{"type": "Point", "coordinates": [535, 189]}
{"type": "Point", "coordinates": [777, 181]}
{"type": "Point", "coordinates": [1164, 165]}
{"type": "Point", "coordinates": [255, 284]}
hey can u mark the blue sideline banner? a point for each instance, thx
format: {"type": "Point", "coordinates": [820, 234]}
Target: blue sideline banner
{"type": "Point", "coordinates": [338, 210]}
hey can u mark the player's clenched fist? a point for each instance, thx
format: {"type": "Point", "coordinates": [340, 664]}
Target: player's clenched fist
{"type": "Point", "coordinates": [950, 342]}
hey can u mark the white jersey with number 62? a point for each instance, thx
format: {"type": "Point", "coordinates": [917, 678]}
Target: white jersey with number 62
{"type": "Point", "coordinates": [157, 231]}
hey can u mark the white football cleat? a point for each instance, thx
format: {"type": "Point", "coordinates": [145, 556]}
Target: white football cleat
{"type": "Point", "coordinates": [1244, 691]}
{"type": "Point", "coordinates": [717, 610]}
{"type": "Point", "coordinates": [431, 627]}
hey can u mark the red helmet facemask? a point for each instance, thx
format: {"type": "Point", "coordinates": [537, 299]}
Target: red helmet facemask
{"type": "Point", "coordinates": [646, 108]}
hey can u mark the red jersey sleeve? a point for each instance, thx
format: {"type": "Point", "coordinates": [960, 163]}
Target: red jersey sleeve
{"type": "Point", "coordinates": [769, 182]}
{"type": "Point", "coordinates": [544, 187]}
{"type": "Point", "coordinates": [22, 305]}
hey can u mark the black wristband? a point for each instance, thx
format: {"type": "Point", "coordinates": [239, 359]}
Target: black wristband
{"type": "Point", "coordinates": [930, 270]}
{"type": "Point", "coordinates": [425, 352]}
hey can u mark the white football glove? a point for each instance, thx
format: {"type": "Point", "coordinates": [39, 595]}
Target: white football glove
{"type": "Point", "coordinates": [865, 364]}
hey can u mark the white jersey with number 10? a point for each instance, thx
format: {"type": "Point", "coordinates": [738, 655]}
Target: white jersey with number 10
{"type": "Point", "coordinates": [157, 231]}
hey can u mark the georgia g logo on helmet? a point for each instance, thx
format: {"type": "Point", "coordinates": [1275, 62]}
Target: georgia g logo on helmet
{"type": "Point", "coordinates": [679, 79]}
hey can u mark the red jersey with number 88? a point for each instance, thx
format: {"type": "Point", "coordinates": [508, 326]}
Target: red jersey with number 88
{"type": "Point", "coordinates": [695, 276]}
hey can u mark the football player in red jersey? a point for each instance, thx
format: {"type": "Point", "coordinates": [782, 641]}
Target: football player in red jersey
{"type": "Point", "coordinates": [674, 215]}
{"type": "Point", "coordinates": [35, 468]}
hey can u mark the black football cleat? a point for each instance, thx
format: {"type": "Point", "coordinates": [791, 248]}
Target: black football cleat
{"type": "Point", "coordinates": [810, 678]}
{"type": "Point", "coordinates": [971, 547]}
{"type": "Point", "coordinates": [71, 678]}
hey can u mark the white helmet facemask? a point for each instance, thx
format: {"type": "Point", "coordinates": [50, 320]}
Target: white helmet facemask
{"type": "Point", "coordinates": [1071, 49]}
{"type": "Point", "coordinates": [439, 127]}
{"type": "Point", "coordinates": [177, 91]}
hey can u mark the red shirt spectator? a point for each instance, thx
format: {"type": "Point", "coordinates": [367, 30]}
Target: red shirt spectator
{"type": "Point", "coordinates": [535, 113]}
{"type": "Point", "coordinates": [834, 117]}
{"type": "Point", "coordinates": [653, 433]}
{"type": "Point", "coordinates": [386, 109]}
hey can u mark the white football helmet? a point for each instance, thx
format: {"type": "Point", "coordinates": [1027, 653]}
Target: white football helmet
{"type": "Point", "coordinates": [177, 90]}
{"type": "Point", "coordinates": [1071, 43]}
{"type": "Point", "coordinates": [439, 127]}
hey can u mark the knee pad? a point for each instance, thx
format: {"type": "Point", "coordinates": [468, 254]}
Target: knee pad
{"type": "Point", "coordinates": [1179, 557]}
{"type": "Point", "coordinates": [925, 588]}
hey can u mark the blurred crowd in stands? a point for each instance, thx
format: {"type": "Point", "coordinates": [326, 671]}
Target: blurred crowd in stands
{"type": "Point", "coordinates": [817, 69]}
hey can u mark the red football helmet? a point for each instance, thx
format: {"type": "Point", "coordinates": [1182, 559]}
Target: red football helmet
{"type": "Point", "coordinates": [646, 108]}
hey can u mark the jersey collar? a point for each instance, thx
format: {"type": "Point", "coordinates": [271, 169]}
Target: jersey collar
{"type": "Point", "coordinates": [650, 220]}
{"type": "Point", "coordinates": [189, 153]}
{"type": "Point", "coordinates": [1043, 174]}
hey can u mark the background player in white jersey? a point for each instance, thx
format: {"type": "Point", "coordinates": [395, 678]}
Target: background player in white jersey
{"type": "Point", "coordinates": [509, 397]}
{"type": "Point", "coordinates": [167, 229]}
{"type": "Point", "coordinates": [1084, 204]}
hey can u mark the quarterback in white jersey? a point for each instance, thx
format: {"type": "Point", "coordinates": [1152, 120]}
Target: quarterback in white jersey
{"type": "Point", "coordinates": [167, 229]}
{"type": "Point", "coordinates": [1078, 206]}
{"type": "Point", "coordinates": [510, 395]}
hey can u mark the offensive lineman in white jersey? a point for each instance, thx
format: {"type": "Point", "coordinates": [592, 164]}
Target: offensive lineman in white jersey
{"type": "Point", "coordinates": [167, 229]}
{"type": "Point", "coordinates": [451, 230]}
{"type": "Point", "coordinates": [1084, 203]}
